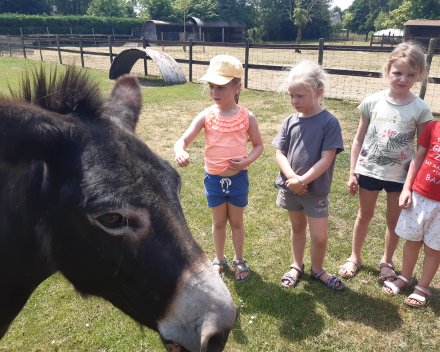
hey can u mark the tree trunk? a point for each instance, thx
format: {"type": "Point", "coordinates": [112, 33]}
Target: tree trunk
{"type": "Point", "coordinates": [298, 38]}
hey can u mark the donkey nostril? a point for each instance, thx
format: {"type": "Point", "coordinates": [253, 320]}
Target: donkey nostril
{"type": "Point", "coordinates": [217, 341]}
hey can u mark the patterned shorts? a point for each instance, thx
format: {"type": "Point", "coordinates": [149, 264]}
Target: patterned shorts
{"type": "Point", "coordinates": [312, 205]}
{"type": "Point", "coordinates": [421, 221]}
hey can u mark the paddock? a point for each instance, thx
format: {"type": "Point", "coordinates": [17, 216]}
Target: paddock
{"type": "Point", "coordinates": [271, 318]}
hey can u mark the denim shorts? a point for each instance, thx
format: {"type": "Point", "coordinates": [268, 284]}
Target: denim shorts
{"type": "Point", "coordinates": [373, 184]}
{"type": "Point", "coordinates": [313, 205]}
{"type": "Point", "coordinates": [232, 189]}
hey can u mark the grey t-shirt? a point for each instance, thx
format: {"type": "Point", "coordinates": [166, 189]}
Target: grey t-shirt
{"type": "Point", "coordinates": [304, 138]}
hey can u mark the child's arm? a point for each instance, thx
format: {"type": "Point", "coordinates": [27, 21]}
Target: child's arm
{"type": "Point", "coordinates": [316, 170]}
{"type": "Point", "coordinates": [416, 163]}
{"type": "Point", "coordinates": [257, 146]}
{"type": "Point", "coordinates": [353, 186]}
{"type": "Point", "coordinates": [295, 185]}
{"type": "Point", "coordinates": [182, 157]}
{"type": "Point", "coordinates": [420, 129]}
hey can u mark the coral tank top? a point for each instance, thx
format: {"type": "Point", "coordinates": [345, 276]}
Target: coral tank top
{"type": "Point", "coordinates": [225, 139]}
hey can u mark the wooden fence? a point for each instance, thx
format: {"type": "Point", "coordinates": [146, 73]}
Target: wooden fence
{"type": "Point", "coordinates": [8, 44]}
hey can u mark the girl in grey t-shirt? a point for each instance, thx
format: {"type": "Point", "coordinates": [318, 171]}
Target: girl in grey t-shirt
{"type": "Point", "coordinates": [307, 145]}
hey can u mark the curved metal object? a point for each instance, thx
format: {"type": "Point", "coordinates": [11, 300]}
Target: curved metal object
{"type": "Point", "coordinates": [168, 67]}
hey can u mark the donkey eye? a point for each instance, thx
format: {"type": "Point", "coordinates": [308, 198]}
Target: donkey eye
{"type": "Point", "coordinates": [112, 220]}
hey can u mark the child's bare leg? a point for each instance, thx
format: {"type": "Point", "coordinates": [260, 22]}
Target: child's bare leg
{"type": "Point", "coordinates": [298, 221]}
{"type": "Point", "coordinates": [367, 203]}
{"type": "Point", "coordinates": [235, 217]}
{"type": "Point", "coordinates": [391, 238]}
{"type": "Point", "coordinates": [219, 220]}
{"type": "Point", "coordinates": [410, 255]}
{"type": "Point", "coordinates": [318, 246]}
{"type": "Point", "coordinates": [431, 264]}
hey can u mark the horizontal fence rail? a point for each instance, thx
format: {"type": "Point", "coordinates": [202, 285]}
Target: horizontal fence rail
{"type": "Point", "coordinates": [355, 70]}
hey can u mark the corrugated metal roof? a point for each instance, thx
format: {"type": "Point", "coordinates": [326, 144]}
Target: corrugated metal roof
{"type": "Point", "coordinates": [219, 23]}
{"type": "Point", "coordinates": [168, 67]}
{"type": "Point", "coordinates": [433, 23]}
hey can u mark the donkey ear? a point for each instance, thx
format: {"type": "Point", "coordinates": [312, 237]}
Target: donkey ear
{"type": "Point", "coordinates": [28, 132]}
{"type": "Point", "coordinates": [125, 102]}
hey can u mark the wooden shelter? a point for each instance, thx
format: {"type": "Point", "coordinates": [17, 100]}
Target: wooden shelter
{"type": "Point", "coordinates": [197, 30]}
{"type": "Point", "coordinates": [422, 30]}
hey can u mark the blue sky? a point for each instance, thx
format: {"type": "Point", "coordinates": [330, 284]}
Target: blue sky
{"type": "Point", "coordinates": [343, 4]}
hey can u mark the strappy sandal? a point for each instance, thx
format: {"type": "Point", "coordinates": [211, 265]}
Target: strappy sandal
{"type": "Point", "coordinates": [292, 279]}
{"type": "Point", "coordinates": [330, 282]}
{"type": "Point", "coordinates": [245, 268]}
{"type": "Point", "coordinates": [422, 300]}
{"type": "Point", "coordinates": [396, 289]}
{"type": "Point", "coordinates": [384, 277]}
{"type": "Point", "coordinates": [350, 272]}
{"type": "Point", "coordinates": [223, 263]}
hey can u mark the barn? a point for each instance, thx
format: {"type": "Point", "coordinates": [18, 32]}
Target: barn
{"type": "Point", "coordinates": [419, 29]}
{"type": "Point", "coordinates": [197, 30]}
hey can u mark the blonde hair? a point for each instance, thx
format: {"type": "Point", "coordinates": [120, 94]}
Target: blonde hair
{"type": "Point", "coordinates": [310, 74]}
{"type": "Point", "coordinates": [413, 56]}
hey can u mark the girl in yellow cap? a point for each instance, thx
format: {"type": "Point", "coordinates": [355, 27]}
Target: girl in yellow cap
{"type": "Point", "coordinates": [227, 128]}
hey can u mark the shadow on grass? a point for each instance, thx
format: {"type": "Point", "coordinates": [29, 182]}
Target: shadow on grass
{"type": "Point", "coordinates": [301, 309]}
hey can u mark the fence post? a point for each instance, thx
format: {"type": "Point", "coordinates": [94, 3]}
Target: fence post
{"type": "Point", "coordinates": [39, 47]}
{"type": "Point", "coordinates": [144, 45]}
{"type": "Point", "coordinates": [371, 39]}
{"type": "Point", "coordinates": [383, 36]}
{"type": "Point", "coordinates": [246, 62]}
{"type": "Point", "coordinates": [48, 35]}
{"type": "Point", "coordinates": [161, 37]}
{"type": "Point", "coordinates": [81, 49]}
{"type": "Point", "coordinates": [59, 50]}
{"type": "Point", "coordinates": [24, 49]}
{"type": "Point", "coordinates": [9, 42]}
{"type": "Point", "coordinates": [190, 59]}
{"type": "Point", "coordinates": [366, 37]}
{"type": "Point", "coordinates": [110, 49]}
{"type": "Point", "coordinates": [321, 51]}
{"type": "Point", "coordinates": [432, 44]}
{"type": "Point", "coordinates": [203, 34]}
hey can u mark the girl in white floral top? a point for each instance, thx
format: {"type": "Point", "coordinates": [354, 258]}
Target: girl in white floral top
{"type": "Point", "coordinates": [383, 149]}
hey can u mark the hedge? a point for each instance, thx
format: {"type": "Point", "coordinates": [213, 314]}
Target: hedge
{"type": "Point", "coordinates": [38, 24]}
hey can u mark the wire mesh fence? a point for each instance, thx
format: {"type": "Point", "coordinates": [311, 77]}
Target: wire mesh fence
{"type": "Point", "coordinates": [355, 70]}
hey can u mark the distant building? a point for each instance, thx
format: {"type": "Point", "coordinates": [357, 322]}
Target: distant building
{"type": "Point", "coordinates": [422, 29]}
{"type": "Point", "coordinates": [335, 17]}
{"type": "Point", "coordinates": [197, 30]}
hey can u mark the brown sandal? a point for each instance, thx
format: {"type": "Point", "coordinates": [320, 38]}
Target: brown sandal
{"type": "Point", "coordinates": [349, 272]}
{"type": "Point", "coordinates": [383, 277]}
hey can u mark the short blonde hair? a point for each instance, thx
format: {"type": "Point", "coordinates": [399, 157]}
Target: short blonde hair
{"type": "Point", "coordinates": [310, 74]}
{"type": "Point", "coordinates": [412, 55]}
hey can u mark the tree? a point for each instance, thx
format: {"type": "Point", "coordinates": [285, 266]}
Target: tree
{"type": "Point", "coordinates": [301, 12]}
{"type": "Point", "coordinates": [380, 21]}
{"type": "Point", "coordinates": [158, 9]}
{"type": "Point", "coordinates": [31, 7]}
{"type": "Point", "coordinates": [414, 10]}
{"type": "Point", "coordinates": [109, 8]}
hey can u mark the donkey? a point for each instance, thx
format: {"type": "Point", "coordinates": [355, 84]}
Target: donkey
{"type": "Point", "coordinates": [81, 194]}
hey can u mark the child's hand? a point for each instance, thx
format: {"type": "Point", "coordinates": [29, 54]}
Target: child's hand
{"type": "Point", "coordinates": [237, 164]}
{"type": "Point", "coordinates": [353, 185]}
{"type": "Point", "coordinates": [296, 187]}
{"type": "Point", "coordinates": [405, 199]}
{"type": "Point", "coordinates": [182, 158]}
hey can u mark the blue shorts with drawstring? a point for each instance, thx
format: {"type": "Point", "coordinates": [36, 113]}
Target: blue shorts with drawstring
{"type": "Point", "coordinates": [231, 189]}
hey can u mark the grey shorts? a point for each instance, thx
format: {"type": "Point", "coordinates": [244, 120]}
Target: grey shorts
{"type": "Point", "coordinates": [314, 205]}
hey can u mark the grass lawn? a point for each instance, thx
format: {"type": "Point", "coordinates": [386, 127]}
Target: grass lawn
{"type": "Point", "coordinates": [271, 318]}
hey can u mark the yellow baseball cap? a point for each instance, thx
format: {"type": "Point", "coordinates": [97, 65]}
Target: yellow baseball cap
{"type": "Point", "coordinates": [223, 69]}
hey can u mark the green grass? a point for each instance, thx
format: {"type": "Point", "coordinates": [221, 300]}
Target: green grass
{"type": "Point", "coordinates": [307, 318]}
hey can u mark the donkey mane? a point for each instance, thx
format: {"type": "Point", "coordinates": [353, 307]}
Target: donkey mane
{"type": "Point", "coordinates": [72, 92]}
